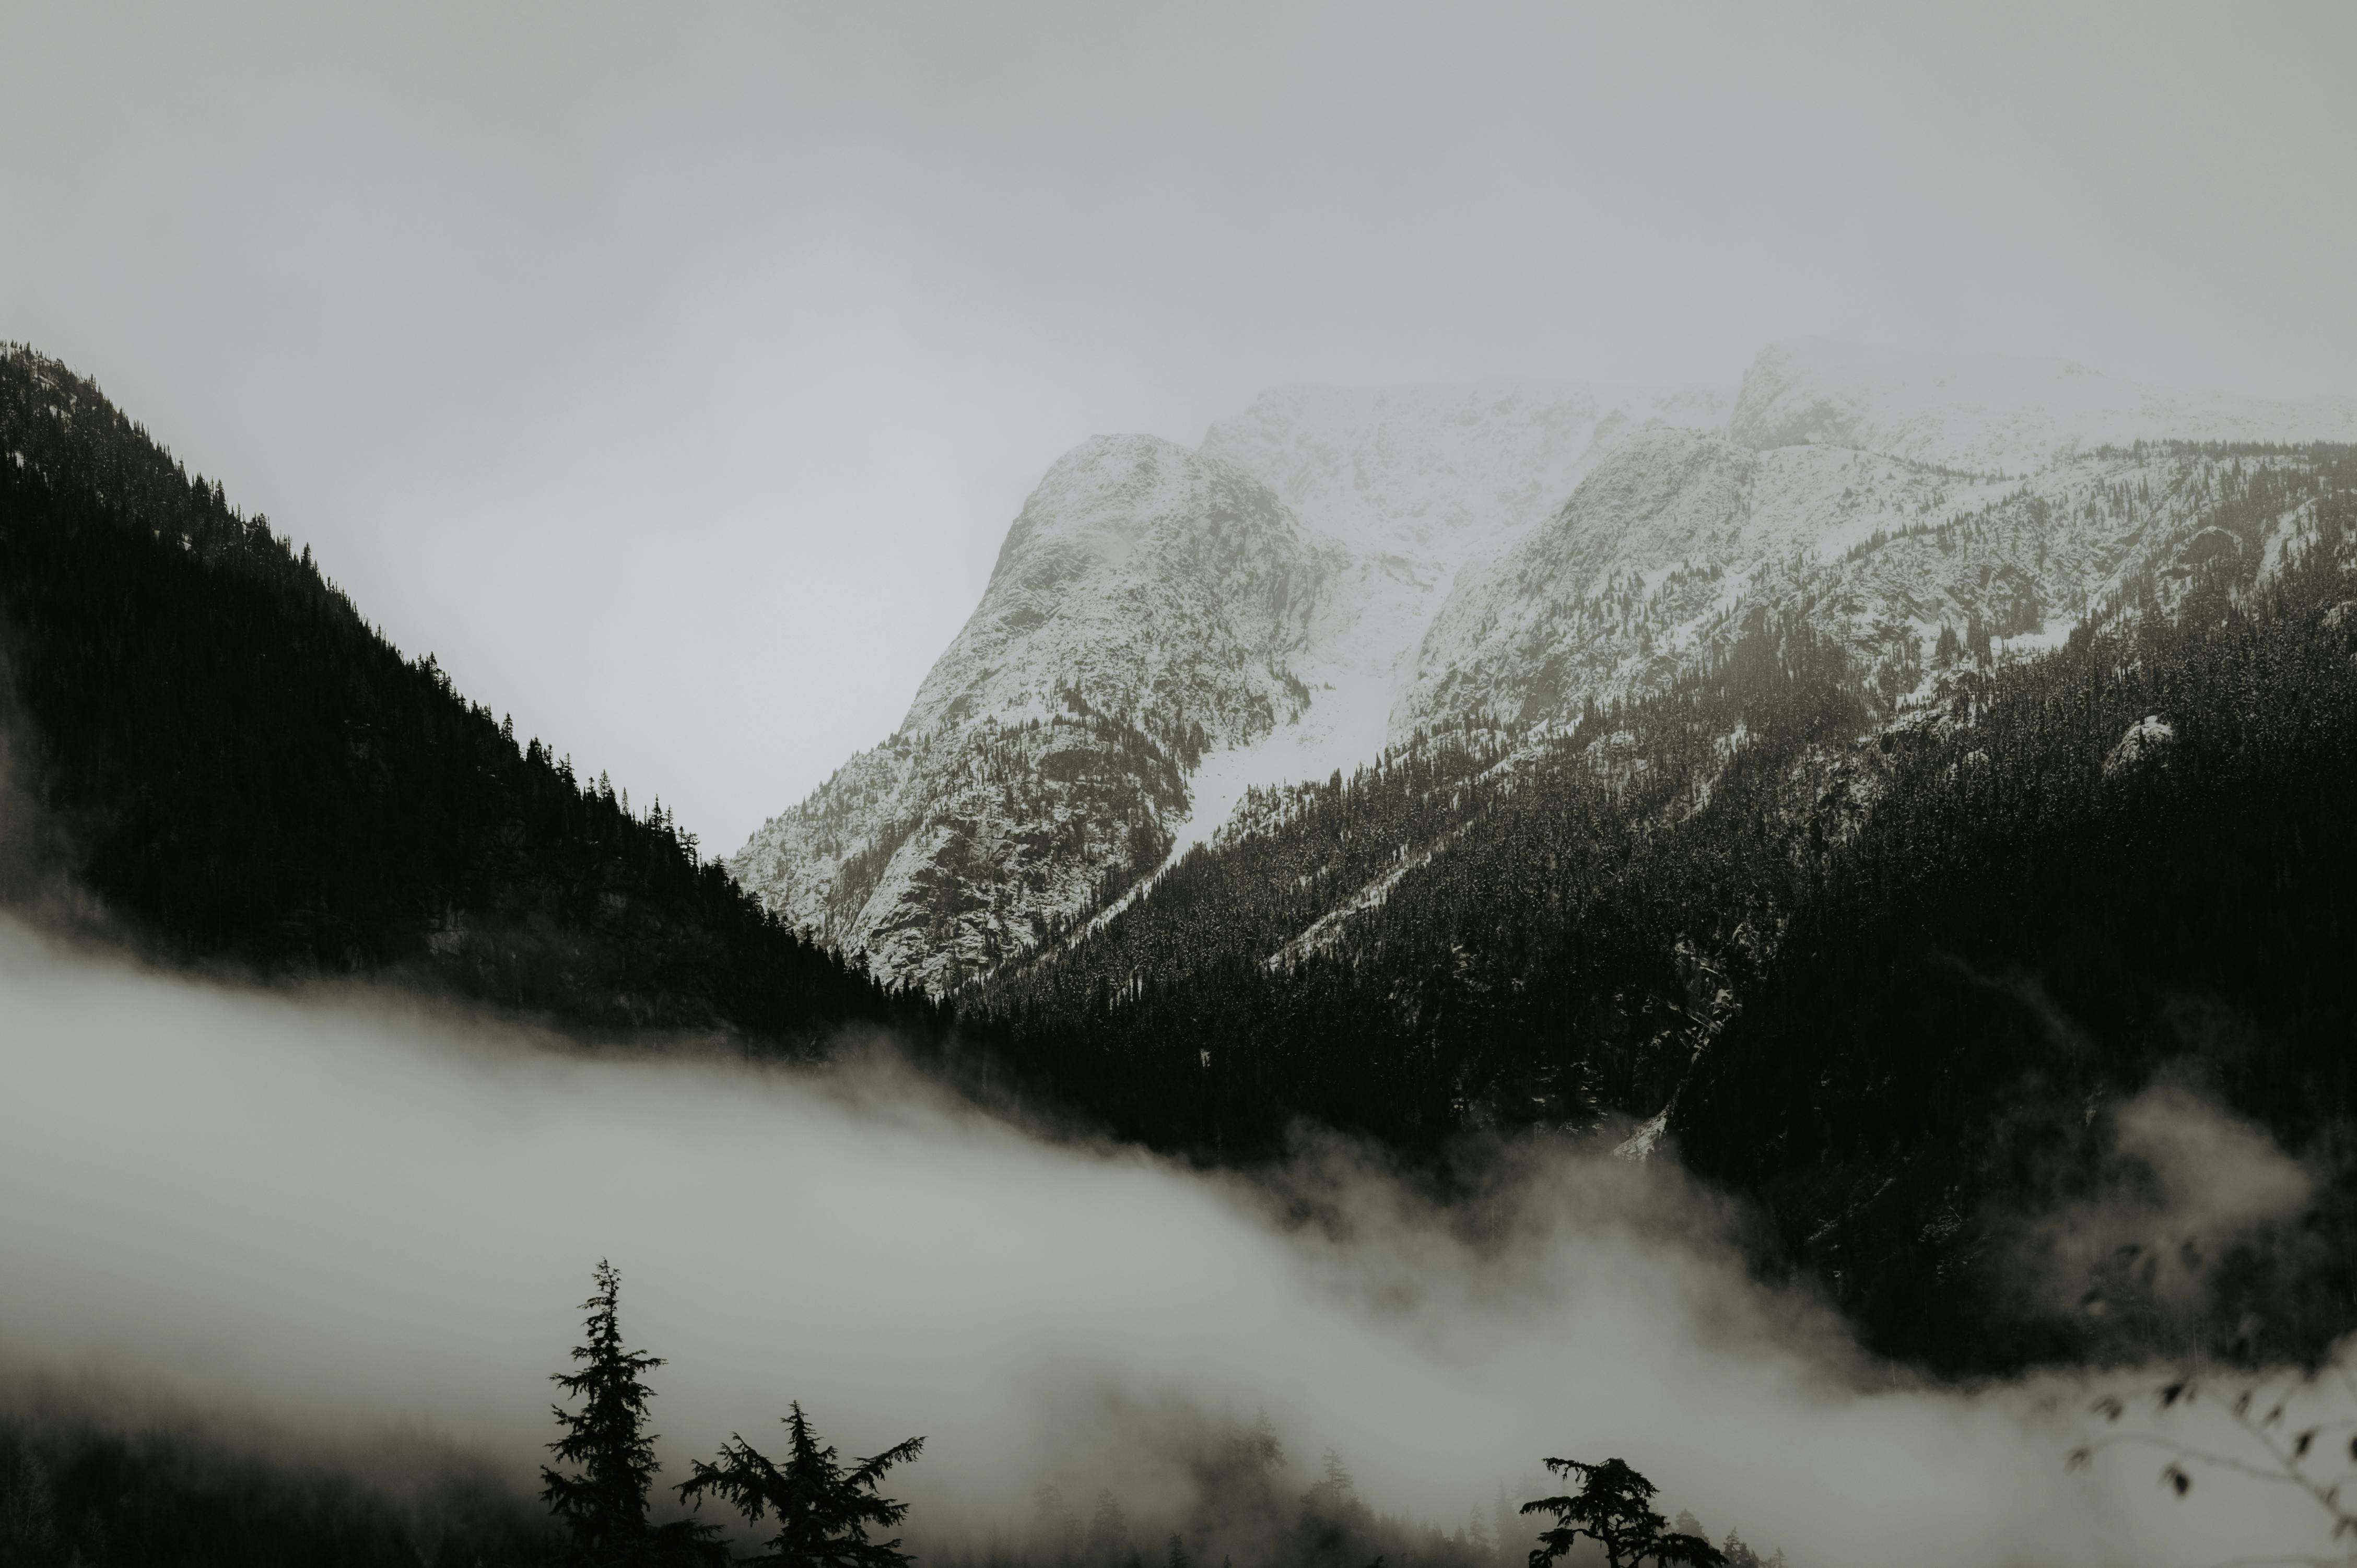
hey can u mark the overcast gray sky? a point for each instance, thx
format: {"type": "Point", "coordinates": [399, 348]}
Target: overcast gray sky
{"type": "Point", "coordinates": [673, 371]}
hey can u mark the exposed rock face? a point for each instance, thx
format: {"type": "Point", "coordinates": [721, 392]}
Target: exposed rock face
{"type": "Point", "coordinates": [1240, 616]}
{"type": "Point", "coordinates": [1638, 554]}
{"type": "Point", "coordinates": [2147, 741]}
{"type": "Point", "coordinates": [1145, 606]}
{"type": "Point", "coordinates": [1166, 629]}
{"type": "Point", "coordinates": [1408, 484]}
{"type": "Point", "coordinates": [1886, 506]}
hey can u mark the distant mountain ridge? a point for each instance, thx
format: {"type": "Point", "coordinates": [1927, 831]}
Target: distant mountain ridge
{"type": "Point", "coordinates": [1494, 553]}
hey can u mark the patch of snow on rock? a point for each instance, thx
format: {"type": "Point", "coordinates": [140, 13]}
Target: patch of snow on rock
{"type": "Point", "coordinates": [2146, 741]}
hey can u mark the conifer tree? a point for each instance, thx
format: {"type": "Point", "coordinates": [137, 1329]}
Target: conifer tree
{"type": "Point", "coordinates": [1613, 1508]}
{"type": "Point", "coordinates": [824, 1510]}
{"type": "Point", "coordinates": [603, 1505]}
{"type": "Point", "coordinates": [1108, 1543]}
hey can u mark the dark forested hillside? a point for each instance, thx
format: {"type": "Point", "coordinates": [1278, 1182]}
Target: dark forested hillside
{"type": "Point", "coordinates": [1482, 930]}
{"type": "Point", "coordinates": [217, 745]}
{"type": "Point", "coordinates": [75, 1492]}
{"type": "Point", "coordinates": [1888, 966]}
{"type": "Point", "coordinates": [2134, 866]}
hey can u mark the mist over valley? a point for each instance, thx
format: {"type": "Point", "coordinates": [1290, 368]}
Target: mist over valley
{"type": "Point", "coordinates": [1283, 787]}
{"type": "Point", "coordinates": [333, 1214]}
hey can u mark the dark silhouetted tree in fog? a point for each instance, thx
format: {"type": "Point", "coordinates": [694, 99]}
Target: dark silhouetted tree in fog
{"type": "Point", "coordinates": [823, 1510]}
{"type": "Point", "coordinates": [603, 1505]}
{"type": "Point", "coordinates": [1613, 1508]}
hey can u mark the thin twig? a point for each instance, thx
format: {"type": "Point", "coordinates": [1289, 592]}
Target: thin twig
{"type": "Point", "coordinates": [2291, 1464]}
{"type": "Point", "coordinates": [2185, 1451]}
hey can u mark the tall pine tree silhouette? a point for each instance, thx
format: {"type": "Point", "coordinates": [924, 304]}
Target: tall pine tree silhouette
{"type": "Point", "coordinates": [603, 1505]}
{"type": "Point", "coordinates": [824, 1509]}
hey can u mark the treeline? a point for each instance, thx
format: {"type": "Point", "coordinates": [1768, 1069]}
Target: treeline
{"type": "Point", "coordinates": [216, 744]}
{"type": "Point", "coordinates": [80, 1492]}
{"type": "Point", "coordinates": [1246, 1506]}
{"type": "Point", "coordinates": [75, 1493]}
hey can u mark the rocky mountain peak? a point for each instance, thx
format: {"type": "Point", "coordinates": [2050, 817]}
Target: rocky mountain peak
{"type": "Point", "coordinates": [1099, 503]}
{"type": "Point", "coordinates": [1143, 609]}
{"type": "Point", "coordinates": [1147, 579]}
{"type": "Point", "coordinates": [1167, 629]}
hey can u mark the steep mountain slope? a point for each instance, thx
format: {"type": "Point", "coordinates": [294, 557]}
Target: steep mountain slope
{"type": "Point", "coordinates": [1837, 493]}
{"type": "Point", "coordinates": [1446, 580]}
{"type": "Point", "coordinates": [1409, 484]}
{"type": "Point", "coordinates": [1680, 537]}
{"type": "Point", "coordinates": [205, 734]}
{"type": "Point", "coordinates": [1147, 605]}
{"type": "Point", "coordinates": [1170, 679]}
{"type": "Point", "coordinates": [1296, 872]}
{"type": "Point", "coordinates": [2118, 887]}
{"type": "Point", "coordinates": [1893, 963]}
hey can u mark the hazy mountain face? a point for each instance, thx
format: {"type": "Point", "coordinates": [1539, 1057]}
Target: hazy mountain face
{"type": "Point", "coordinates": [1410, 484]}
{"type": "Point", "coordinates": [1147, 605]}
{"type": "Point", "coordinates": [1165, 630]}
{"type": "Point", "coordinates": [1875, 501]}
{"type": "Point", "coordinates": [1993, 415]}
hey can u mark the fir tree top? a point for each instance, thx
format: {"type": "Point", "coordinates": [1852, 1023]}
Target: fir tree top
{"type": "Point", "coordinates": [824, 1508]}
{"type": "Point", "coordinates": [604, 1503]}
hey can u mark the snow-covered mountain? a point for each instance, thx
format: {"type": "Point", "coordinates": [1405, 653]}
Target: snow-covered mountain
{"type": "Point", "coordinates": [1404, 486]}
{"type": "Point", "coordinates": [1671, 547]}
{"type": "Point", "coordinates": [1145, 606]}
{"type": "Point", "coordinates": [1165, 629]}
{"type": "Point", "coordinates": [1863, 495]}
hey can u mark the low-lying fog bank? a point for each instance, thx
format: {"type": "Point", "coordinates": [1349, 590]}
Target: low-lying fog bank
{"type": "Point", "coordinates": [347, 1215]}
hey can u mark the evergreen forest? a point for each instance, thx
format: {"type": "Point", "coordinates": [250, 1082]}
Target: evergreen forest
{"type": "Point", "coordinates": [1886, 965]}
{"type": "Point", "coordinates": [1887, 972]}
{"type": "Point", "coordinates": [216, 756]}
